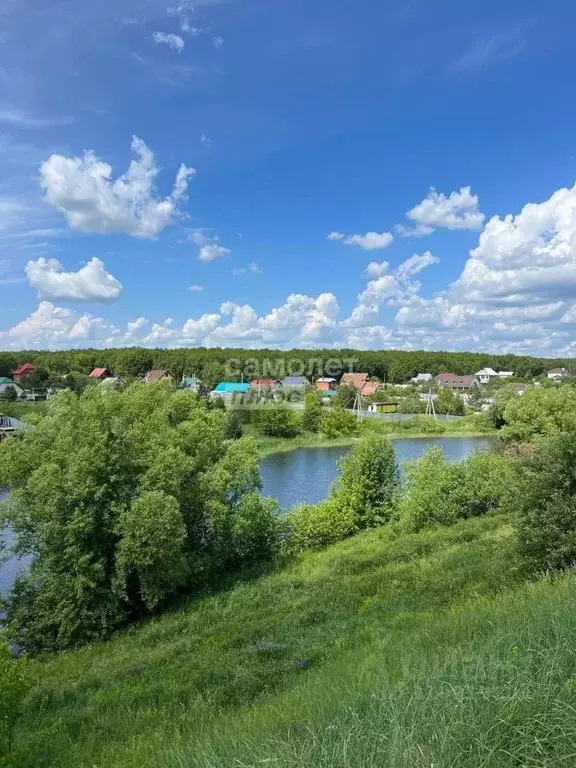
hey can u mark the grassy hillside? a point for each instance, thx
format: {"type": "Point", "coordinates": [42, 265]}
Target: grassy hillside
{"type": "Point", "coordinates": [338, 637]}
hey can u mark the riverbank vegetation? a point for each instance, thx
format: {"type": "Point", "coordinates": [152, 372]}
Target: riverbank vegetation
{"type": "Point", "coordinates": [403, 621]}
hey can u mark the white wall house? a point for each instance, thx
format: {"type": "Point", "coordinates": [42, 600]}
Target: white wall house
{"type": "Point", "coordinates": [486, 375]}
{"type": "Point", "coordinates": [558, 374]}
{"type": "Point", "coordinates": [422, 378]}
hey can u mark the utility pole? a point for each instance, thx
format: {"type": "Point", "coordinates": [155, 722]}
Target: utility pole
{"type": "Point", "coordinates": [430, 409]}
{"type": "Point", "coordinates": [358, 405]}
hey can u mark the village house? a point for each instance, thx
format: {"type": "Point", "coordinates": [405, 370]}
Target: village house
{"type": "Point", "coordinates": [558, 374]}
{"type": "Point", "coordinates": [325, 384]}
{"type": "Point", "coordinates": [265, 384]}
{"type": "Point", "coordinates": [295, 381]}
{"type": "Point", "coordinates": [158, 375]}
{"type": "Point", "coordinates": [23, 370]}
{"type": "Point", "coordinates": [100, 374]}
{"type": "Point", "coordinates": [486, 375]}
{"type": "Point", "coordinates": [458, 384]}
{"type": "Point", "coordinates": [227, 389]}
{"type": "Point", "coordinates": [359, 382]}
{"type": "Point", "coordinates": [422, 378]}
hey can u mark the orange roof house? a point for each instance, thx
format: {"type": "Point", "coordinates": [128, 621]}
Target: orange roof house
{"type": "Point", "coordinates": [354, 380]}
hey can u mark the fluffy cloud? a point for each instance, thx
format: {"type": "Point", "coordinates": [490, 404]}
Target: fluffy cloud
{"type": "Point", "coordinates": [83, 190]}
{"type": "Point", "coordinates": [209, 247]}
{"type": "Point", "coordinates": [195, 288]}
{"type": "Point", "coordinates": [458, 210]}
{"type": "Point", "coordinates": [388, 287]}
{"type": "Point", "coordinates": [217, 41]}
{"type": "Point", "coordinates": [91, 282]}
{"type": "Point", "coordinates": [371, 241]}
{"type": "Point", "coordinates": [517, 288]}
{"type": "Point", "coordinates": [52, 327]}
{"type": "Point", "coordinates": [174, 41]}
{"type": "Point", "coordinates": [212, 251]}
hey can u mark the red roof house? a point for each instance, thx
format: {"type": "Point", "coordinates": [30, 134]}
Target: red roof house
{"type": "Point", "coordinates": [100, 373]}
{"type": "Point", "coordinates": [23, 370]}
{"type": "Point", "coordinates": [263, 383]}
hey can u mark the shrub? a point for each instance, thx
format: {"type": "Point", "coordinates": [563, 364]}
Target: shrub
{"type": "Point", "coordinates": [544, 495]}
{"type": "Point", "coordinates": [428, 425]}
{"type": "Point", "coordinates": [338, 422]}
{"type": "Point", "coordinates": [436, 492]}
{"type": "Point", "coordinates": [316, 526]}
{"type": "Point", "coordinates": [540, 411]}
{"type": "Point", "coordinates": [312, 414]}
{"type": "Point", "coordinates": [276, 421]}
{"type": "Point", "coordinates": [369, 481]}
{"type": "Point", "coordinates": [345, 396]}
{"type": "Point", "coordinates": [233, 427]}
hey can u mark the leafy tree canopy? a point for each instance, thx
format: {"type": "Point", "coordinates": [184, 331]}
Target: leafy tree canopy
{"type": "Point", "coordinates": [122, 498]}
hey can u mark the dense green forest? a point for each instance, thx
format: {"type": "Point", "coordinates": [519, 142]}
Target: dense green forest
{"type": "Point", "coordinates": [215, 364]}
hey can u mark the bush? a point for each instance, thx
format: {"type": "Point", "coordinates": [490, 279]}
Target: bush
{"type": "Point", "coordinates": [338, 422]}
{"type": "Point", "coordinates": [544, 496]}
{"type": "Point", "coordinates": [313, 410]}
{"type": "Point", "coordinates": [233, 427]}
{"type": "Point", "coordinates": [317, 526]}
{"type": "Point", "coordinates": [122, 499]}
{"type": "Point", "coordinates": [14, 684]}
{"type": "Point", "coordinates": [436, 492]}
{"type": "Point", "coordinates": [276, 421]}
{"type": "Point", "coordinates": [369, 482]}
{"type": "Point", "coordinates": [540, 411]}
{"type": "Point", "coordinates": [428, 425]}
{"type": "Point", "coordinates": [345, 396]}
{"type": "Point", "coordinates": [447, 402]}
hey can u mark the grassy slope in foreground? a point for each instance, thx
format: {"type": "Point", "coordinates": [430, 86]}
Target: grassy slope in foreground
{"type": "Point", "coordinates": [165, 693]}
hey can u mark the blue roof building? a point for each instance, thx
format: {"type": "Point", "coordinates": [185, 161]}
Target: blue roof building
{"type": "Point", "coordinates": [230, 388]}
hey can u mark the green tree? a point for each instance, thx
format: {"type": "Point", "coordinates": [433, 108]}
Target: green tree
{"type": "Point", "coordinates": [276, 421]}
{"type": "Point", "coordinates": [338, 422]}
{"type": "Point", "coordinates": [77, 381]}
{"type": "Point", "coordinates": [233, 429]}
{"type": "Point", "coordinates": [9, 394]}
{"type": "Point", "coordinates": [345, 396]}
{"type": "Point", "coordinates": [121, 499]}
{"type": "Point", "coordinates": [544, 498]}
{"type": "Point", "coordinates": [495, 413]}
{"type": "Point", "coordinates": [449, 403]}
{"type": "Point", "coordinates": [369, 481]}
{"type": "Point", "coordinates": [312, 413]}
{"type": "Point", "coordinates": [540, 411]}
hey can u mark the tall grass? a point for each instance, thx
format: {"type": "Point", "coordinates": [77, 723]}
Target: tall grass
{"type": "Point", "coordinates": [166, 692]}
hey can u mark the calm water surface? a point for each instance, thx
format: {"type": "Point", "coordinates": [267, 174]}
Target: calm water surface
{"type": "Point", "coordinates": [306, 475]}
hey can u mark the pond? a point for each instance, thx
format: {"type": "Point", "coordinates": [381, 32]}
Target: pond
{"type": "Point", "coordinates": [305, 475]}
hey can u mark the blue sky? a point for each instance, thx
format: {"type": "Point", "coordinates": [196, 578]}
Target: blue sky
{"type": "Point", "coordinates": [280, 186]}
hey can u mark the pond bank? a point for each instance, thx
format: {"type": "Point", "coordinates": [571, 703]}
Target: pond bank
{"type": "Point", "coordinates": [268, 446]}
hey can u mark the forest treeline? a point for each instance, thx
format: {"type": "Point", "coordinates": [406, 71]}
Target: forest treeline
{"type": "Point", "coordinates": [217, 364]}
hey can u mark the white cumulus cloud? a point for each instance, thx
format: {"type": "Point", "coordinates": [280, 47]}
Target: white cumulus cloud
{"type": "Point", "coordinates": [212, 251]}
{"type": "Point", "coordinates": [176, 42]}
{"type": "Point", "coordinates": [90, 282]}
{"type": "Point", "coordinates": [371, 241]}
{"type": "Point", "coordinates": [83, 190]}
{"type": "Point", "coordinates": [458, 210]}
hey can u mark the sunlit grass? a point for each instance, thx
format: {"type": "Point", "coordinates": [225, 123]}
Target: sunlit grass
{"type": "Point", "coordinates": [169, 692]}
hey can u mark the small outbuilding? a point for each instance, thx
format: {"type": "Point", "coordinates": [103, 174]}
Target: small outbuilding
{"type": "Point", "coordinates": [100, 374]}
{"type": "Point", "coordinates": [387, 407]}
{"type": "Point", "coordinates": [325, 384]}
